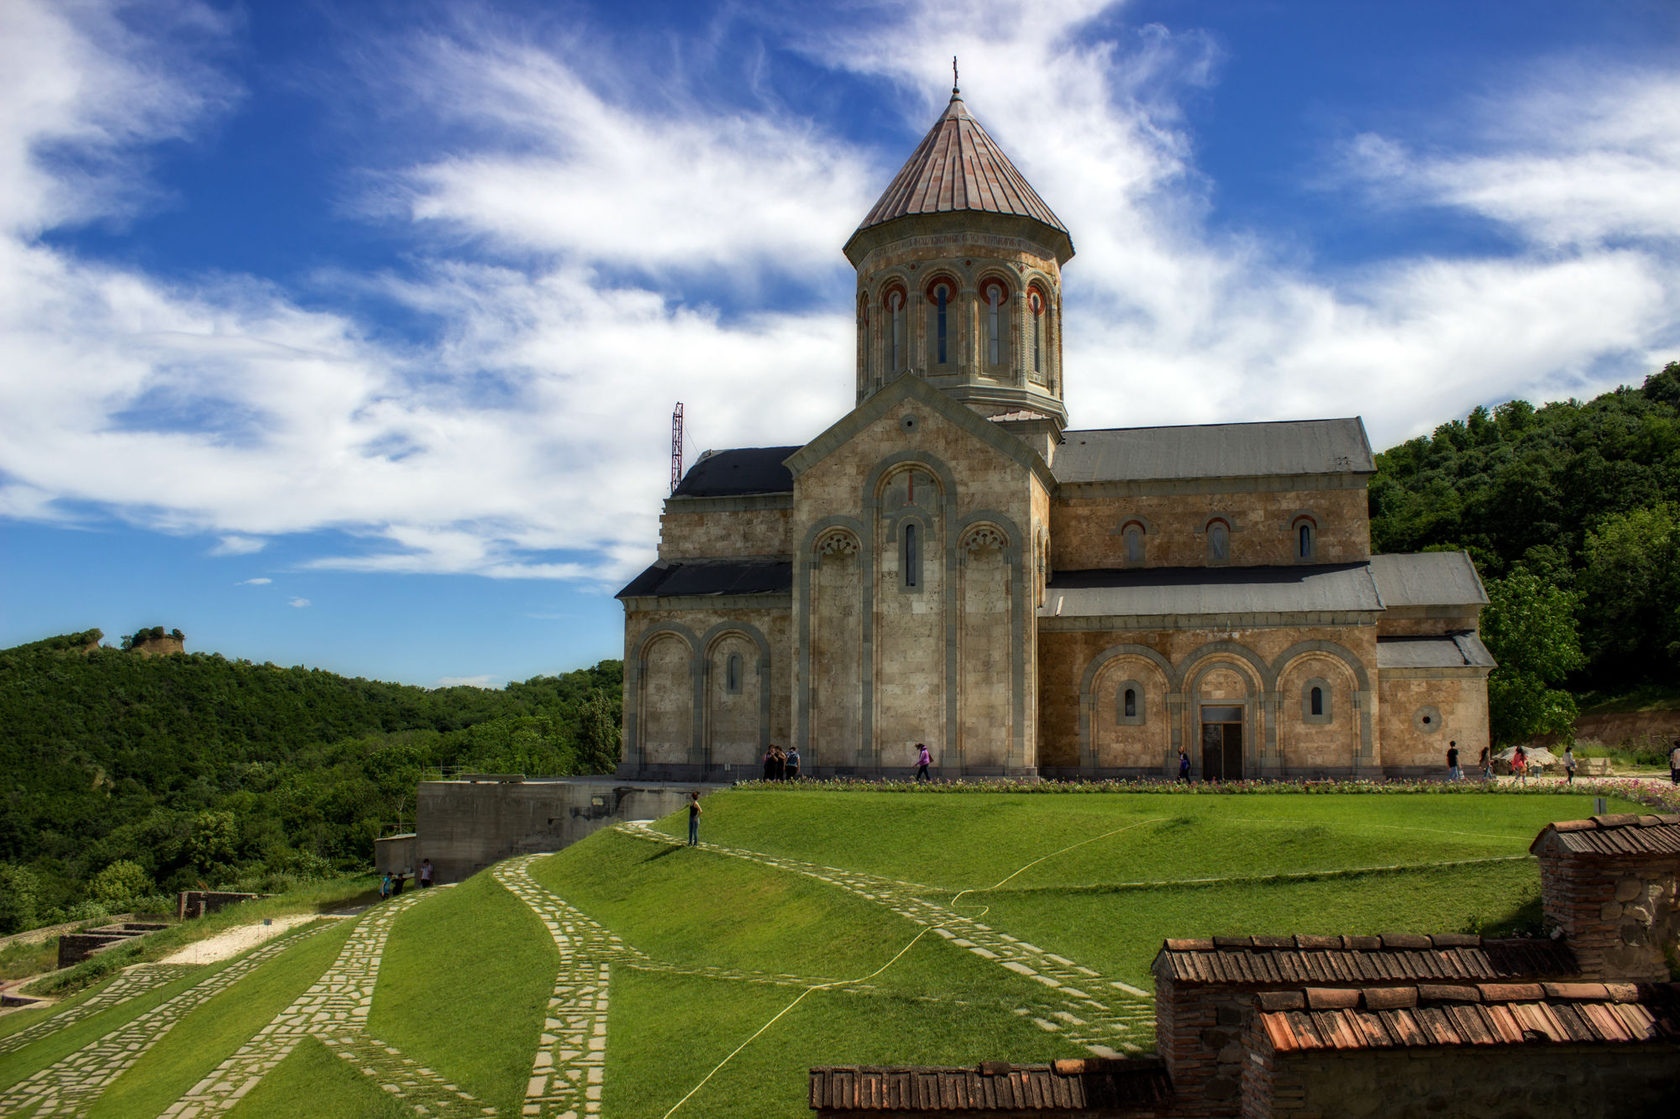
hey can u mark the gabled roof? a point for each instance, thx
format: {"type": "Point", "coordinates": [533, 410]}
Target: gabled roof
{"type": "Point", "coordinates": [957, 166]}
{"type": "Point", "coordinates": [1083, 1086]}
{"type": "Point", "coordinates": [1155, 591]}
{"type": "Point", "coordinates": [1427, 579]}
{"type": "Point", "coordinates": [1245, 450]}
{"type": "Point", "coordinates": [1358, 960]}
{"type": "Point", "coordinates": [712, 577]}
{"type": "Point", "coordinates": [738, 471]}
{"type": "Point", "coordinates": [1620, 834]}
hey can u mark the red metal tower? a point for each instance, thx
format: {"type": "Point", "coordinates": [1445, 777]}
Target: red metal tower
{"type": "Point", "coordinates": [676, 447]}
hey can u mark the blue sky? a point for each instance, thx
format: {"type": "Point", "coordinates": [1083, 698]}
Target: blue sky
{"type": "Point", "coordinates": [348, 335]}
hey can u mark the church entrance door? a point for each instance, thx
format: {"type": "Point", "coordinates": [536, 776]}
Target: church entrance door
{"type": "Point", "coordinates": [1222, 753]}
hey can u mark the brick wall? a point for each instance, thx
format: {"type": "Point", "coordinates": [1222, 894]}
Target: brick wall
{"type": "Point", "coordinates": [1622, 916]}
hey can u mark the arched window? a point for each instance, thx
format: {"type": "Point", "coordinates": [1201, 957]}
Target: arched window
{"type": "Point", "coordinates": [895, 311]}
{"type": "Point", "coordinates": [1306, 541]}
{"type": "Point", "coordinates": [912, 557]}
{"type": "Point", "coordinates": [1315, 701]}
{"type": "Point", "coordinates": [994, 294]}
{"type": "Point", "coordinates": [939, 314]}
{"type": "Point", "coordinates": [1128, 703]}
{"type": "Point", "coordinates": [1128, 707]}
{"type": "Point", "coordinates": [1131, 539]}
{"type": "Point", "coordinates": [1035, 302]}
{"type": "Point", "coordinates": [1218, 542]}
{"type": "Point", "coordinates": [732, 674]}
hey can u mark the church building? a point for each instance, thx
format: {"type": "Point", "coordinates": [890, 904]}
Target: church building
{"type": "Point", "coordinates": [951, 564]}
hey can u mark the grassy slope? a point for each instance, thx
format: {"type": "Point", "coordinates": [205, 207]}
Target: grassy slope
{"type": "Point", "coordinates": [312, 1083]}
{"type": "Point", "coordinates": [188, 1053]}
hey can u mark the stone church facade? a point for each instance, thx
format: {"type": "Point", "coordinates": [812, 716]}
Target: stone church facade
{"type": "Point", "coordinates": [949, 563]}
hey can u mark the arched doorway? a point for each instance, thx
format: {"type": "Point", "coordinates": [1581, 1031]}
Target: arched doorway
{"type": "Point", "coordinates": [1222, 742]}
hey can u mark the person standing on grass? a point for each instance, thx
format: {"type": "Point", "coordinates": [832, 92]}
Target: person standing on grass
{"type": "Point", "coordinates": [1452, 762]}
{"type": "Point", "coordinates": [1183, 766]}
{"type": "Point", "coordinates": [923, 760]}
{"type": "Point", "coordinates": [1569, 762]}
{"type": "Point", "coordinates": [694, 819]}
{"type": "Point", "coordinates": [793, 763]}
{"type": "Point", "coordinates": [425, 874]}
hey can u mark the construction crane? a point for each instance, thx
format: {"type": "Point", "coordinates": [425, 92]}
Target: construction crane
{"type": "Point", "coordinates": [676, 447]}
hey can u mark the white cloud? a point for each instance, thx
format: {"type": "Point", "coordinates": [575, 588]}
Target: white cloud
{"type": "Point", "coordinates": [238, 546]}
{"type": "Point", "coordinates": [259, 581]}
{"type": "Point", "coordinates": [298, 603]}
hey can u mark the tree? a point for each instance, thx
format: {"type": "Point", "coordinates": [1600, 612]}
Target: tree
{"type": "Point", "coordinates": [1631, 579]}
{"type": "Point", "coordinates": [120, 883]}
{"type": "Point", "coordinates": [19, 893]}
{"type": "Point", "coordinates": [599, 717]}
{"type": "Point", "coordinates": [1529, 626]}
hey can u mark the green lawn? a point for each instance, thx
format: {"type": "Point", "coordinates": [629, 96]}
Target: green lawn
{"type": "Point", "coordinates": [1099, 879]}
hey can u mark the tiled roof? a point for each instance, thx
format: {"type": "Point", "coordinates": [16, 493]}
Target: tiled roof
{"type": "Point", "coordinates": [1070, 1085]}
{"type": "Point", "coordinates": [957, 166]}
{"type": "Point", "coordinates": [1475, 1014]}
{"type": "Point", "coordinates": [1624, 834]}
{"type": "Point", "coordinates": [712, 577]}
{"type": "Point", "coordinates": [740, 470]}
{"type": "Point", "coordinates": [1243, 450]}
{"type": "Point", "coordinates": [1360, 960]}
{"type": "Point", "coordinates": [1458, 650]}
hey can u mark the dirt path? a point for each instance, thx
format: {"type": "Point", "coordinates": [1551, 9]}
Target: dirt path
{"type": "Point", "coordinates": [229, 943]}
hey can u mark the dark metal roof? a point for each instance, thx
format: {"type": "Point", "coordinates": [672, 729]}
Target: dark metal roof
{"type": "Point", "coordinates": [1245, 450]}
{"type": "Point", "coordinates": [1131, 1087]}
{"type": "Point", "coordinates": [1480, 1014]}
{"type": "Point", "coordinates": [1428, 579]}
{"type": "Point", "coordinates": [738, 471]}
{"type": "Point", "coordinates": [1620, 834]}
{"type": "Point", "coordinates": [1458, 650]}
{"type": "Point", "coordinates": [712, 577]}
{"type": "Point", "coordinates": [957, 166]}
{"type": "Point", "coordinates": [1210, 590]}
{"type": "Point", "coordinates": [1342, 961]}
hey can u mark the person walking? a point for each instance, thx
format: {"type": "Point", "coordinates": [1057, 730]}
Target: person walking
{"type": "Point", "coordinates": [1569, 762]}
{"type": "Point", "coordinates": [385, 886]}
{"type": "Point", "coordinates": [425, 874]}
{"type": "Point", "coordinates": [1519, 765]}
{"type": "Point", "coordinates": [793, 763]}
{"type": "Point", "coordinates": [1674, 763]}
{"type": "Point", "coordinates": [1183, 766]}
{"type": "Point", "coordinates": [923, 760]}
{"type": "Point", "coordinates": [1485, 763]}
{"type": "Point", "coordinates": [1453, 773]}
{"type": "Point", "coordinates": [694, 819]}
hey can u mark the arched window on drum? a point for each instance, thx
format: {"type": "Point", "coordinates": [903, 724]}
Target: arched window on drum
{"type": "Point", "coordinates": [994, 295]}
{"type": "Point", "coordinates": [941, 320]}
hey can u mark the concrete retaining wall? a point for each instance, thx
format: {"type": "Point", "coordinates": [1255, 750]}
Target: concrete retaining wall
{"type": "Point", "coordinates": [463, 826]}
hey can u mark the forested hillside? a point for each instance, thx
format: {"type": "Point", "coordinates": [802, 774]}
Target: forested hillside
{"type": "Point", "coordinates": [123, 776]}
{"type": "Point", "coordinates": [1572, 512]}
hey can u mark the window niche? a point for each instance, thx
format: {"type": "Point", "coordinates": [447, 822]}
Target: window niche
{"type": "Point", "coordinates": [1316, 707]}
{"type": "Point", "coordinates": [732, 674]}
{"type": "Point", "coordinates": [1304, 534]}
{"type": "Point", "coordinates": [994, 299]}
{"type": "Point", "coordinates": [897, 334]}
{"type": "Point", "coordinates": [1218, 532]}
{"type": "Point", "coordinates": [1132, 543]}
{"type": "Point", "coordinates": [942, 342]}
{"type": "Point", "coordinates": [1128, 704]}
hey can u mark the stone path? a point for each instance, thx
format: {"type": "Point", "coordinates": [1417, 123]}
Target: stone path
{"type": "Point", "coordinates": [132, 981]}
{"type": "Point", "coordinates": [1103, 1015]}
{"type": "Point", "coordinates": [70, 1086]}
{"type": "Point", "coordinates": [334, 1011]}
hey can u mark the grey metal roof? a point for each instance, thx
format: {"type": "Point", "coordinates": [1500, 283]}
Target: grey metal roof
{"type": "Point", "coordinates": [712, 577]}
{"type": "Point", "coordinates": [1214, 451]}
{"type": "Point", "coordinates": [1210, 590]}
{"type": "Point", "coordinates": [1428, 579]}
{"type": "Point", "coordinates": [738, 471]}
{"type": "Point", "coordinates": [1459, 650]}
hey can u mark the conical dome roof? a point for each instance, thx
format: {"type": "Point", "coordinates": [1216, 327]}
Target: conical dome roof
{"type": "Point", "coordinates": [957, 166]}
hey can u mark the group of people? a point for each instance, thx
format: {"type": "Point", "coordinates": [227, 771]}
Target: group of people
{"type": "Point", "coordinates": [392, 884]}
{"type": "Point", "coordinates": [780, 764]}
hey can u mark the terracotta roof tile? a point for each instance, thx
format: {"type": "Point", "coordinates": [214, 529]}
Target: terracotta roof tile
{"type": "Point", "coordinates": [1071, 1085]}
{"type": "Point", "coordinates": [1618, 834]}
{"type": "Point", "coordinates": [958, 166]}
{"type": "Point", "coordinates": [1228, 961]}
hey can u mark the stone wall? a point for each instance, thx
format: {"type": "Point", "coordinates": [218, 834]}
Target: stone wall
{"type": "Point", "coordinates": [1621, 916]}
{"type": "Point", "coordinates": [200, 903]}
{"type": "Point", "coordinates": [465, 826]}
{"type": "Point", "coordinates": [1267, 671]}
{"type": "Point", "coordinates": [1580, 1081]}
{"type": "Point", "coordinates": [706, 528]}
{"type": "Point", "coordinates": [1421, 710]}
{"type": "Point", "coordinates": [1086, 521]}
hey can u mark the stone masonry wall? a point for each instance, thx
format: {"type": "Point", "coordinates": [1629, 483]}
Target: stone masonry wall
{"type": "Point", "coordinates": [1622, 916]}
{"type": "Point", "coordinates": [1199, 1033]}
{"type": "Point", "coordinates": [1086, 529]}
{"type": "Point", "coordinates": [724, 534]}
{"type": "Point", "coordinates": [1421, 711]}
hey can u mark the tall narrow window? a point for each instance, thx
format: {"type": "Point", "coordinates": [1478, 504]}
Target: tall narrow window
{"type": "Point", "coordinates": [1304, 541]}
{"type": "Point", "coordinates": [1132, 538]}
{"type": "Point", "coordinates": [1130, 708]}
{"type": "Point", "coordinates": [994, 293]}
{"type": "Point", "coordinates": [732, 674]}
{"type": "Point", "coordinates": [1316, 701]}
{"type": "Point", "coordinates": [912, 557]}
{"type": "Point", "coordinates": [1036, 302]}
{"type": "Point", "coordinates": [940, 298]}
{"type": "Point", "coordinates": [895, 305]}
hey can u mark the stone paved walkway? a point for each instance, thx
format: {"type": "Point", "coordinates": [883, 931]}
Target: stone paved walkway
{"type": "Point", "coordinates": [1103, 1015]}
{"type": "Point", "coordinates": [131, 981]}
{"type": "Point", "coordinates": [334, 1011]}
{"type": "Point", "coordinates": [70, 1086]}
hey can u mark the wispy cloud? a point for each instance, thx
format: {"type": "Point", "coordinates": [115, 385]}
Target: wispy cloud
{"type": "Point", "coordinates": [298, 603]}
{"type": "Point", "coordinates": [238, 546]}
{"type": "Point", "coordinates": [259, 581]}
